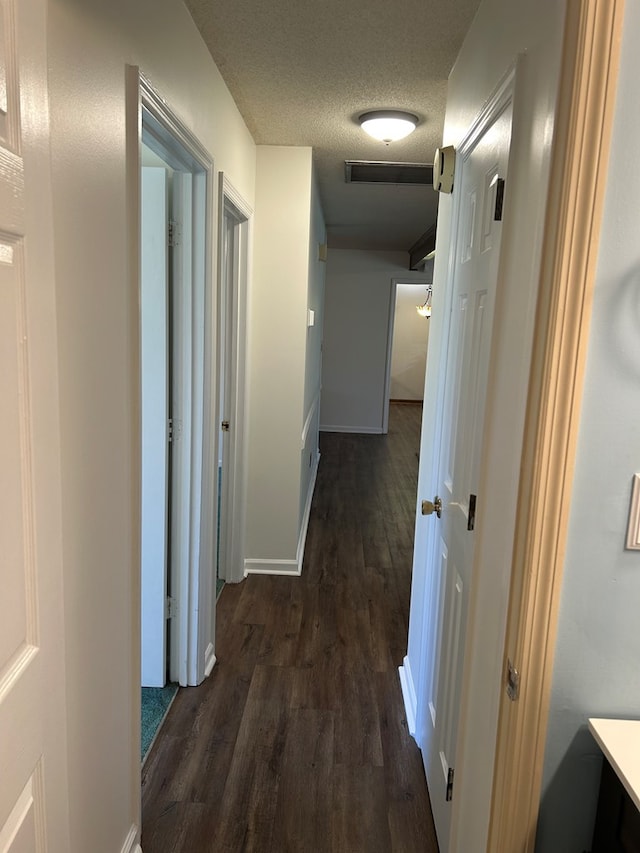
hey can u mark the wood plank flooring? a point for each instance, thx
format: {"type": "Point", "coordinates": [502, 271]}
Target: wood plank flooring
{"type": "Point", "coordinates": [298, 741]}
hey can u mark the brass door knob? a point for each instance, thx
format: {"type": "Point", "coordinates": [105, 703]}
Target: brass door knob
{"type": "Point", "coordinates": [429, 507]}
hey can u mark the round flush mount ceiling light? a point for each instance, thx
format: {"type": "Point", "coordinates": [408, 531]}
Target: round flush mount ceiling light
{"type": "Point", "coordinates": [388, 125]}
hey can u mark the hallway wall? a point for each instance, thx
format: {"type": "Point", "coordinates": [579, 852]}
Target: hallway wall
{"type": "Point", "coordinates": [357, 304]}
{"type": "Point", "coordinates": [313, 357]}
{"type": "Point", "coordinates": [596, 670]}
{"type": "Point", "coordinates": [91, 42]}
{"type": "Point", "coordinates": [284, 357]}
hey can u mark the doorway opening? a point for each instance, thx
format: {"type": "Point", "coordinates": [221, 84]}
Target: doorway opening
{"type": "Point", "coordinates": [177, 407]}
{"type": "Point", "coordinates": [233, 272]}
{"type": "Point", "coordinates": [407, 341]}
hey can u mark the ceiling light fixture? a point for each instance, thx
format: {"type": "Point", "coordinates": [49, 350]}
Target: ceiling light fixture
{"type": "Point", "coordinates": [424, 310]}
{"type": "Point", "coordinates": [388, 125]}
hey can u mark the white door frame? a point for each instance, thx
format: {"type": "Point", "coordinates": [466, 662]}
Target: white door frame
{"type": "Point", "coordinates": [392, 318]}
{"type": "Point", "coordinates": [233, 515]}
{"type": "Point", "coordinates": [192, 628]}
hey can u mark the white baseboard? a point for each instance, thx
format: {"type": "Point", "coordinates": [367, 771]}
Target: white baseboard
{"type": "Point", "coordinates": [361, 430]}
{"type": "Point", "coordinates": [271, 567]}
{"type": "Point", "coordinates": [288, 567]}
{"type": "Point", "coordinates": [131, 842]}
{"type": "Point", "coordinates": [209, 660]}
{"type": "Point", "coordinates": [409, 696]}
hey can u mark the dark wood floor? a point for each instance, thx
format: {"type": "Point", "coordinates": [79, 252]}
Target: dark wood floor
{"type": "Point", "coordinates": [298, 740]}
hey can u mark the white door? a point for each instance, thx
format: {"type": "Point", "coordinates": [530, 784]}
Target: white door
{"type": "Point", "coordinates": [234, 243]}
{"type": "Point", "coordinates": [225, 379]}
{"type": "Point", "coordinates": [451, 550]}
{"type": "Point", "coordinates": [33, 779]}
{"type": "Point", "coordinates": [155, 420]}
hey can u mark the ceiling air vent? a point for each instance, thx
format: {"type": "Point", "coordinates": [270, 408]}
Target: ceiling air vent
{"type": "Point", "coordinates": [380, 172]}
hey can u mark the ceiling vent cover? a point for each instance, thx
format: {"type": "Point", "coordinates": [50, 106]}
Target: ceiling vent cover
{"type": "Point", "coordinates": [381, 172]}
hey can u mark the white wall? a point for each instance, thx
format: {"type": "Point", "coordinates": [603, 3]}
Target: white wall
{"type": "Point", "coordinates": [277, 373]}
{"type": "Point", "coordinates": [410, 339]}
{"type": "Point", "coordinates": [597, 662]}
{"type": "Point", "coordinates": [502, 31]}
{"type": "Point", "coordinates": [313, 358]}
{"type": "Point", "coordinates": [356, 325]}
{"type": "Point", "coordinates": [90, 44]}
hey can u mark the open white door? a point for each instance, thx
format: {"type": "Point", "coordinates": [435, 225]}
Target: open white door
{"type": "Point", "coordinates": [185, 238]}
{"type": "Point", "coordinates": [450, 553]}
{"type": "Point", "coordinates": [234, 239]}
{"type": "Point", "coordinates": [155, 423]}
{"type": "Point", "coordinates": [33, 777]}
{"type": "Point", "coordinates": [225, 389]}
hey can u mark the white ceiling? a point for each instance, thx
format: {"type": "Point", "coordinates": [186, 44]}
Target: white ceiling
{"type": "Point", "coordinates": [301, 72]}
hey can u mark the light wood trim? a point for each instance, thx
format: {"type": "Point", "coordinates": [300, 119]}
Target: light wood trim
{"type": "Point", "coordinates": [572, 228]}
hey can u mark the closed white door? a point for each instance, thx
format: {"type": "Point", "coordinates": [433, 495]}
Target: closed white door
{"type": "Point", "coordinates": [33, 779]}
{"type": "Point", "coordinates": [452, 536]}
{"type": "Point", "coordinates": [154, 336]}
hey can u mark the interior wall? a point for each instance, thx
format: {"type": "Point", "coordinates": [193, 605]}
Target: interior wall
{"type": "Point", "coordinates": [276, 372]}
{"type": "Point", "coordinates": [598, 645]}
{"type": "Point", "coordinates": [504, 32]}
{"type": "Point", "coordinates": [410, 340]}
{"type": "Point", "coordinates": [313, 358]}
{"type": "Point", "coordinates": [356, 325]}
{"type": "Point", "coordinates": [97, 309]}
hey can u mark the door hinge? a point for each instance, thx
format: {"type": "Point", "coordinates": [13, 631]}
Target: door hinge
{"type": "Point", "coordinates": [174, 429]}
{"type": "Point", "coordinates": [513, 682]}
{"type": "Point", "coordinates": [171, 608]}
{"type": "Point", "coordinates": [449, 796]}
{"type": "Point", "coordinates": [174, 233]}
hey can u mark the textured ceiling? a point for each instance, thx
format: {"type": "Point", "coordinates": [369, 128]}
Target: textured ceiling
{"type": "Point", "coordinates": [301, 72]}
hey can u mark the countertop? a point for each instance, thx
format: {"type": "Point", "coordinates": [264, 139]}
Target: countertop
{"type": "Point", "coordinates": [620, 742]}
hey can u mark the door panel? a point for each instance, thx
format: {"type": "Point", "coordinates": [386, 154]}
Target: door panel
{"type": "Point", "coordinates": [475, 280]}
{"type": "Point", "coordinates": [227, 383]}
{"type": "Point", "coordinates": [33, 779]}
{"type": "Point", "coordinates": [155, 414]}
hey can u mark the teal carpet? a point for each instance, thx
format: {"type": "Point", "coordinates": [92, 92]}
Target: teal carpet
{"type": "Point", "coordinates": [155, 704]}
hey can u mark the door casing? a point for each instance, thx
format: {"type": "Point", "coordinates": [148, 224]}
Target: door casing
{"type": "Point", "coordinates": [232, 317]}
{"type": "Point", "coordinates": [192, 629]}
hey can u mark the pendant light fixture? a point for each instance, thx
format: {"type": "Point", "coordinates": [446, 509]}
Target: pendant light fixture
{"type": "Point", "coordinates": [424, 310]}
{"type": "Point", "coordinates": [388, 125]}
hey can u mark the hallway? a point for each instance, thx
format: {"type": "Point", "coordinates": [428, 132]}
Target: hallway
{"type": "Point", "coordinates": [297, 742]}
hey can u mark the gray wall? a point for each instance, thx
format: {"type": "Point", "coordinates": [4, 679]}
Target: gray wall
{"type": "Point", "coordinates": [356, 326]}
{"type": "Point", "coordinates": [313, 359]}
{"type": "Point", "coordinates": [597, 662]}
